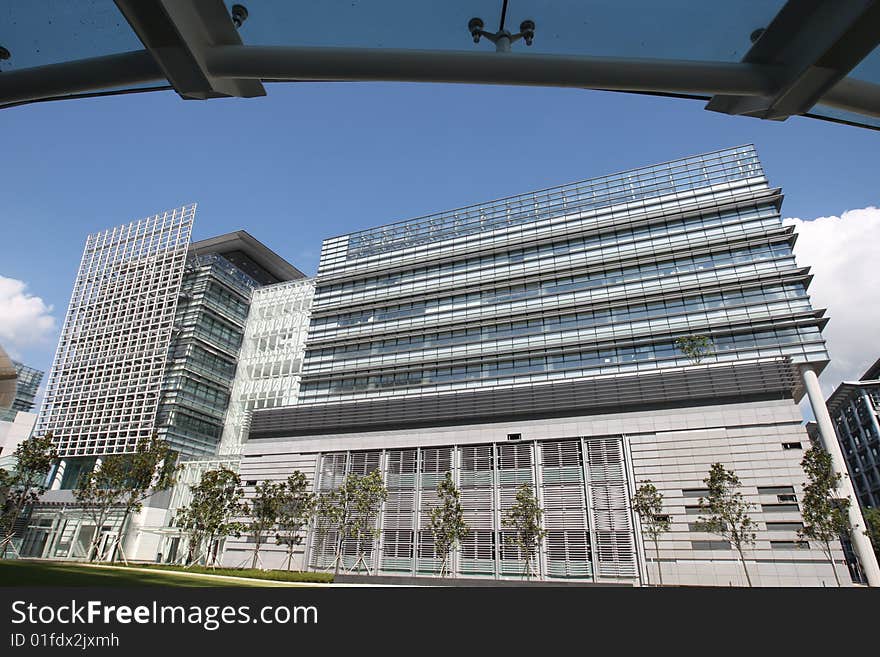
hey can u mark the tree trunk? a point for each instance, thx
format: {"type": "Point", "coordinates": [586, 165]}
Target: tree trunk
{"type": "Point", "coordinates": [257, 540]}
{"type": "Point", "coordinates": [657, 552]}
{"type": "Point", "coordinates": [338, 553]}
{"type": "Point", "coordinates": [742, 560]}
{"type": "Point", "coordinates": [830, 554]}
{"type": "Point", "coordinates": [121, 537]}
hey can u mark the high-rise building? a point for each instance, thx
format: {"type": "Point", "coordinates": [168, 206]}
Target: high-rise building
{"type": "Point", "coordinates": [855, 407]}
{"type": "Point", "coordinates": [150, 344]}
{"type": "Point", "coordinates": [543, 339]}
{"type": "Point", "coordinates": [267, 376]}
{"type": "Point", "coordinates": [220, 277]}
{"type": "Point", "coordinates": [106, 379]}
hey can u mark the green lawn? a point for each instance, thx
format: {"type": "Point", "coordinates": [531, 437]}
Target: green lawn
{"type": "Point", "coordinates": [49, 573]}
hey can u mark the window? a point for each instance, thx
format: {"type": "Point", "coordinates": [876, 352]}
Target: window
{"type": "Point", "coordinates": [791, 446]}
{"type": "Point", "coordinates": [784, 526]}
{"type": "Point", "coordinates": [695, 492]}
{"type": "Point", "coordinates": [790, 545]}
{"type": "Point", "coordinates": [710, 545]}
{"type": "Point", "coordinates": [772, 508]}
{"type": "Point", "coordinates": [775, 490]}
{"type": "Point", "coordinates": [514, 436]}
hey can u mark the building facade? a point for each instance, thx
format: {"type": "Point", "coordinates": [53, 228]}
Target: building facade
{"type": "Point", "coordinates": [267, 376]}
{"type": "Point", "coordinates": [537, 339]}
{"type": "Point", "coordinates": [29, 380]}
{"type": "Point", "coordinates": [271, 357]}
{"type": "Point", "coordinates": [855, 407]}
{"type": "Point", "coordinates": [150, 344]}
{"type": "Point", "coordinates": [104, 386]}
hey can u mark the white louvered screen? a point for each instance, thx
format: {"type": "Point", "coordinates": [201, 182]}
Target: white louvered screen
{"type": "Point", "coordinates": [610, 509]}
{"type": "Point", "coordinates": [515, 468]}
{"type": "Point", "coordinates": [565, 510]}
{"type": "Point", "coordinates": [580, 483]}
{"type": "Point", "coordinates": [478, 501]}
{"type": "Point", "coordinates": [399, 511]}
{"type": "Point", "coordinates": [433, 465]}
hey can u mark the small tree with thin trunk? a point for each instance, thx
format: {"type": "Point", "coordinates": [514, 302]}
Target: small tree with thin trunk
{"type": "Point", "coordinates": [350, 511]}
{"type": "Point", "coordinates": [695, 347]}
{"type": "Point", "coordinates": [213, 512]}
{"type": "Point", "coordinates": [728, 512]}
{"type": "Point", "coordinates": [447, 522]}
{"type": "Point", "coordinates": [150, 469]}
{"type": "Point", "coordinates": [525, 518]}
{"type": "Point", "coordinates": [825, 515]}
{"type": "Point", "coordinates": [295, 509]}
{"type": "Point", "coordinates": [24, 485]}
{"type": "Point", "coordinates": [263, 512]}
{"type": "Point", "coordinates": [648, 504]}
{"type": "Point", "coordinates": [121, 484]}
{"type": "Point", "coordinates": [99, 494]}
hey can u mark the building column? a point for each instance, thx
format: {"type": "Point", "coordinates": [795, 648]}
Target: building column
{"type": "Point", "coordinates": [861, 543]}
{"type": "Point", "coordinates": [59, 475]}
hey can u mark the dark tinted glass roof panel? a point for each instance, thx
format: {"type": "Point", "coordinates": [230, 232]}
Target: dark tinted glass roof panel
{"type": "Point", "coordinates": [825, 112]}
{"type": "Point", "coordinates": [39, 32]}
{"type": "Point", "coordinates": [675, 29]}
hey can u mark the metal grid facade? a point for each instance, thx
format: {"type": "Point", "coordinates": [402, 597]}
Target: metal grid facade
{"type": "Point", "coordinates": [271, 356]}
{"type": "Point", "coordinates": [104, 385]}
{"type": "Point", "coordinates": [581, 485]}
{"type": "Point", "coordinates": [590, 279]}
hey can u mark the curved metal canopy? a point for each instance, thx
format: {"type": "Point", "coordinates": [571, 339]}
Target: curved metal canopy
{"type": "Point", "coordinates": [769, 59]}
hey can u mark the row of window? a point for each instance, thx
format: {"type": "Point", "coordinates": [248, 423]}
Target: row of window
{"type": "Point", "coordinates": [556, 249]}
{"type": "Point", "coordinates": [588, 359]}
{"type": "Point", "coordinates": [561, 285]}
{"type": "Point", "coordinates": [552, 323]}
{"type": "Point", "coordinates": [602, 192]}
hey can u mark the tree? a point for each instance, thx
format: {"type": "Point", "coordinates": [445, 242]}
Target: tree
{"type": "Point", "coordinates": [648, 503]}
{"type": "Point", "coordinates": [728, 512]}
{"type": "Point", "coordinates": [695, 347]}
{"type": "Point", "coordinates": [350, 511]}
{"type": "Point", "coordinates": [525, 517]}
{"type": "Point", "coordinates": [121, 483]}
{"type": "Point", "coordinates": [263, 513]}
{"type": "Point", "coordinates": [213, 512]}
{"type": "Point", "coordinates": [447, 522]}
{"type": "Point", "coordinates": [826, 516]}
{"type": "Point", "coordinates": [99, 493]}
{"type": "Point", "coordinates": [23, 486]}
{"type": "Point", "coordinates": [872, 531]}
{"type": "Point", "coordinates": [295, 509]}
{"type": "Point", "coordinates": [151, 468]}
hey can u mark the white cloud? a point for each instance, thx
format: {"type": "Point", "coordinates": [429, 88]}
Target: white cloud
{"type": "Point", "coordinates": [24, 318]}
{"type": "Point", "coordinates": [844, 256]}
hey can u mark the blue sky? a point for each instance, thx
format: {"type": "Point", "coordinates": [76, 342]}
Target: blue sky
{"type": "Point", "coordinates": [314, 160]}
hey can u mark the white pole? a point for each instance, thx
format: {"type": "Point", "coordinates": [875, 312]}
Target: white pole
{"type": "Point", "coordinates": [861, 543]}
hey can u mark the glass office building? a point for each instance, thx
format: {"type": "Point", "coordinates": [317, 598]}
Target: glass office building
{"type": "Point", "coordinates": [29, 380]}
{"type": "Point", "coordinates": [536, 339]}
{"type": "Point", "coordinates": [855, 409]}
